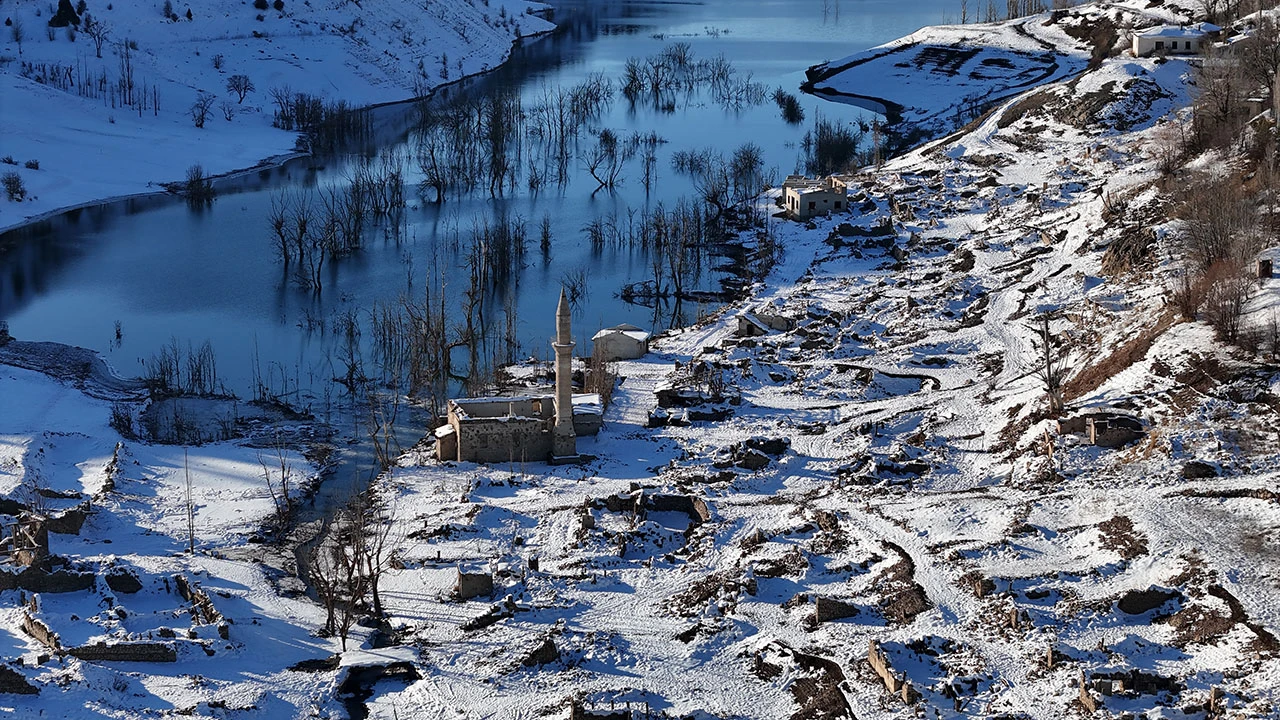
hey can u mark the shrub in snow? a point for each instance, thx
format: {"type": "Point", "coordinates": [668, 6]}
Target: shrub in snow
{"type": "Point", "coordinates": [260, 4]}
{"type": "Point", "coordinates": [13, 186]}
{"type": "Point", "coordinates": [218, 61]}
{"type": "Point", "coordinates": [33, 164]}
{"type": "Point", "coordinates": [278, 5]}
{"type": "Point", "coordinates": [200, 109]}
{"type": "Point", "coordinates": [65, 16]}
{"type": "Point", "coordinates": [8, 160]}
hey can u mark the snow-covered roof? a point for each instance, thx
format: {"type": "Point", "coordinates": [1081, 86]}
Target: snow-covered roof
{"type": "Point", "coordinates": [587, 404]}
{"type": "Point", "coordinates": [630, 331]}
{"type": "Point", "coordinates": [814, 189]}
{"type": "Point", "coordinates": [1181, 31]}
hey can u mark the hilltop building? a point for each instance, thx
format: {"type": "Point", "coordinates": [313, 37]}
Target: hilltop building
{"type": "Point", "coordinates": [1175, 39]}
{"type": "Point", "coordinates": [806, 198]}
{"type": "Point", "coordinates": [524, 428]}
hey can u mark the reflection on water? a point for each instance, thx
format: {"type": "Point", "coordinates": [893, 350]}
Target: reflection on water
{"type": "Point", "coordinates": [163, 270]}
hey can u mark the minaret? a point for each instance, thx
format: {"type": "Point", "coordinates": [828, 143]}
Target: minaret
{"type": "Point", "coordinates": [563, 439]}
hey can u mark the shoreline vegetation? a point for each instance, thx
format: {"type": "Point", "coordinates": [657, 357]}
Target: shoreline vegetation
{"type": "Point", "coordinates": [250, 128]}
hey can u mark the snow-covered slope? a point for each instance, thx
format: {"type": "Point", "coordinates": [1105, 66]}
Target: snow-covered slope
{"type": "Point", "coordinates": [62, 103]}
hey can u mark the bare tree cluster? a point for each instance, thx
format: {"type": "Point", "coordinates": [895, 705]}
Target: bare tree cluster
{"type": "Point", "coordinates": [347, 563]}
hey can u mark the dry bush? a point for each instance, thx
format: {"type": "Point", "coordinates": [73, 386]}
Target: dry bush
{"type": "Point", "coordinates": [1228, 291]}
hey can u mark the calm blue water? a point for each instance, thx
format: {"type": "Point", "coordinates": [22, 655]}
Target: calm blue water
{"type": "Point", "coordinates": [165, 271]}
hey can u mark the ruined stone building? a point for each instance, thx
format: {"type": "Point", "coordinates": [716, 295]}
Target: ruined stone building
{"type": "Point", "coordinates": [526, 428]}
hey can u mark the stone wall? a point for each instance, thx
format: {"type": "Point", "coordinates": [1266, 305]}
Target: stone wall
{"type": "Point", "coordinates": [880, 664]}
{"type": "Point", "coordinates": [203, 611]}
{"type": "Point", "coordinates": [473, 585]}
{"type": "Point", "coordinates": [35, 579]}
{"type": "Point", "coordinates": [507, 439]}
{"type": "Point", "coordinates": [126, 652]}
{"type": "Point", "coordinates": [41, 632]}
{"type": "Point", "coordinates": [827, 610]}
{"type": "Point", "coordinates": [70, 522]}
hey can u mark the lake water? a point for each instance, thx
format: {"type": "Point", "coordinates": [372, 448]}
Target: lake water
{"type": "Point", "coordinates": [166, 272]}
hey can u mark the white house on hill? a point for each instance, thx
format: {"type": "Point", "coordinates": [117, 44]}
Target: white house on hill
{"type": "Point", "coordinates": [1175, 39]}
{"type": "Point", "coordinates": [806, 198]}
{"type": "Point", "coordinates": [621, 342]}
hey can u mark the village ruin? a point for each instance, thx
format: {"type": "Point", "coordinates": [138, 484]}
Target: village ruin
{"type": "Point", "coordinates": [524, 428]}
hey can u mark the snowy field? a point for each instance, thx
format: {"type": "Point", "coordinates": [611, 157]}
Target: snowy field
{"type": "Point", "coordinates": [63, 107]}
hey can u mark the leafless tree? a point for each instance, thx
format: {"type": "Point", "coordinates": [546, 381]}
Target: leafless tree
{"type": "Point", "coordinates": [18, 33]}
{"type": "Point", "coordinates": [190, 506]}
{"type": "Point", "coordinates": [1229, 289]}
{"type": "Point", "coordinates": [228, 110]}
{"type": "Point", "coordinates": [1217, 223]}
{"type": "Point", "coordinates": [98, 31]}
{"type": "Point", "coordinates": [240, 85]}
{"type": "Point", "coordinates": [1050, 367]}
{"type": "Point", "coordinates": [382, 539]}
{"type": "Point", "coordinates": [278, 477]}
{"type": "Point", "coordinates": [201, 108]}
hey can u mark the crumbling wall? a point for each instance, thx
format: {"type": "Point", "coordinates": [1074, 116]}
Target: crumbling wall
{"type": "Point", "coordinates": [203, 611]}
{"type": "Point", "coordinates": [126, 652]}
{"type": "Point", "coordinates": [70, 522]}
{"type": "Point", "coordinates": [40, 631]}
{"type": "Point", "coordinates": [35, 579]}
{"type": "Point", "coordinates": [473, 585]}
{"type": "Point", "coordinates": [880, 664]}
{"type": "Point", "coordinates": [827, 610]}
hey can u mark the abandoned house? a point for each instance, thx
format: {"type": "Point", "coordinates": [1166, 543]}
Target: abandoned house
{"type": "Point", "coordinates": [1174, 39]}
{"type": "Point", "coordinates": [524, 428]}
{"type": "Point", "coordinates": [621, 342]}
{"type": "Point", "coordinates": [762, 321]}
{"type": "Point", "coordinates": [1104, 428]}
{"type": "Point", "coordinates": [806, 198]}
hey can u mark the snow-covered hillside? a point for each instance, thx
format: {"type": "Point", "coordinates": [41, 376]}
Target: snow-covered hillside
{"type": "Point", "coordinates": [63, 106]}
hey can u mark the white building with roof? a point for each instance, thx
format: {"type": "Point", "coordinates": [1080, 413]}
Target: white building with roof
{"type": "Point", "coordinates": [1175, 39]}
{"type": "Point", "coordinates": [620, 342]}
{"type": "Point", "coordinates": [806, 198]}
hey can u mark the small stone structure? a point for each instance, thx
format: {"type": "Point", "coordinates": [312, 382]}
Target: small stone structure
{"type": "Point", "coordinates": [695, 508]}
{"type": "Point", "coordinates": [1104, 428]}
{"type": "Point", "coordinates": [1130, 683]}
{"type": "Point", "coordinates": [473, 585]}
{"type": "Point", "coordinates": [524, 429]}
{"type": "Point", "coordinates": [759, 322]}
{"type": "Point", "coordinates": [1264, 269]}
{"type": "Point", "coordinates": [806, 198]}
{"type": "Point", "coordinates": [827, 609]}
{"type": "Point", "coordinates": [620, 342]}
